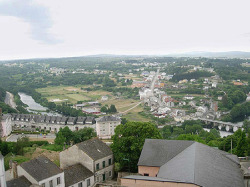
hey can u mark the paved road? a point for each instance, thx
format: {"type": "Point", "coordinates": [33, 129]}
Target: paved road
{"type": "Point", "coordinates": [9, 100]}
{"type": "Point", "coordinates": [14, 137]}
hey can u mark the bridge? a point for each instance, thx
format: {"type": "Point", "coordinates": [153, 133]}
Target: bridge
{"type": "Point", "coordinates": [221, 124]}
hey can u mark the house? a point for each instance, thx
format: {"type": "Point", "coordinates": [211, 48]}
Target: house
{"type": "Point", "coordinates": [104, 98]}
{"type": "Point", "coordinates": [179, 163]}
{"type": "Point", "coordinates": [93, 154]}
{"type": "Point", "coordinates": [5, 125]}
{"type": "Point", "coordinates": [42, 171]}
{"type": "Point", "coordinates": [19, 182]}
{"type": "Point", "coordinates": [77, 175]}
{"type": "Point", "coordinates": [105, 126]}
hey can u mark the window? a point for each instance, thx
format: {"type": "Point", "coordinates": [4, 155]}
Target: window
{"type": "Point", "coordinates": [146, 174]}
{"type": "Point", "coordinates": [88, 182]}
{"type": "Point", "coordinates": [43, 184]}
{"type": "Point", "coordinates": [80, 184]}
{"type": "Point", "coordinates": [51, 183]}
{"type": "Point", "coordinates": [58, 180]}
{"type": "Point", "coordinates": [103, 164]}
{"type": "Point", "coordinates": [110, 173]}
{"type": "Point", "coordinates": [97, 166]}
{"type": "Point", "coordinates": [110, 161]}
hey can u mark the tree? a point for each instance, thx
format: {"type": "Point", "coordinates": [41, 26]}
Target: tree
{"type": "Point", "coordinates": [241, 147]}
{"type": "Point", "coordinates": [112, 109]}
{"type": "Point", "coordinates": [83, 134]}
{"type": "Point", "coordinates": [191, 137]}
{"type": "Point", "coordinates": [128, 141]}
{"type": "Point", "coordinates": [67, 133]}
{"type": "Point", "coordinates": [60, 139]}
{"type": "Point", "coordinates": [104, 109]}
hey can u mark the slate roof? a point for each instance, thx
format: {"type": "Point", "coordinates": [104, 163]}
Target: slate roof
{"type": "Point", "coordinates": [158, 152]}
{"type": "Point", "coordinates": [19, 182]}
{"type": "Point", "coordinates": [95, 148]}
{"type": "Point", "coordinates": [192, 162]}
{"type": "Point", "coordinates": [108, 118]}
{"type": "Point", "coordinates": [41, 168]}
{"type": "Point", "coordinates": [90, 119]}
{"type": "Point", "coordinates": [76, 173]}
{"type": "Point", "coordinates": [81, 120]}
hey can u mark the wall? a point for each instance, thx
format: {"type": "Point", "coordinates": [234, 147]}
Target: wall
{"type": "Point", "coordinates": [54, 179]}
{"type": "Point", "coordinates": [21, 172]}
{"type": "Point", "coordinates": [6, 125]}
{"type": "Point", "coordinates": [74, 155]}
{"type": "Point", "coordinates": [152, 171]}
{"type": "Point", "coordinates": [85, 182]}
{"type": "Point", "coordinates": [106, 129]}
{"type": "Point", "coordinates": [105, 170]}
{"type": "Point", "coordinates": [144, 183]}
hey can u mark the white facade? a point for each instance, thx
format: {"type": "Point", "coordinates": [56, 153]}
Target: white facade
{"type": "Point", "coordinates": [6, 125]}
{"type": "Point", "coordinates": [106, 128]}
{"type": "Point", "coordinates": [2, 172]}
{"type": "Point", "coordinates": [46, 182]}
{"type": "Point", "coordinates": [85, 183]}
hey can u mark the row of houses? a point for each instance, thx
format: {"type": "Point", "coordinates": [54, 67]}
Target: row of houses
{"type": "Point", "coordinates": [82, 165]}
{"type": "Point", "coordinates": [104, 126]}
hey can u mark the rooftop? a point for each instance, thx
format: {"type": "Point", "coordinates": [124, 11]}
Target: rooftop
{"type": "Point", "coordinates": [76, 173]}
{"type": "Point", "coordinates": [41, 168]}
{"type": "Point", "coordinates": [95, 148]}
{"type": "Point", "coordinates": [19, 182]}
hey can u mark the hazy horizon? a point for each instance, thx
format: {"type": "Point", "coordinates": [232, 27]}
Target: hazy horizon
{"type": "Point", "coordinates": [59, 28]}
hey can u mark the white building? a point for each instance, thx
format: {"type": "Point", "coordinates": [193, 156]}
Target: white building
{"type": "Point", "coordinates": [6, 125]}
{"type": "Point", "coordinates": [94, 155]}
{"type": "Point", "coordinates": [2, 172]}
{"type": "Point", "coordinates": [188, 97]}
{"type": "Point", "coordinates": [105, 126]}
{"type": "Point", "coordinates": [42, 171]}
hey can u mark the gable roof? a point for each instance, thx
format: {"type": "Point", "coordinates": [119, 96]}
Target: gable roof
{"type": "Point", "coordinates": [157, 152]}
{"type": "Point", "coordinates": [194, 163]}
{"type": "Point", "coordinates": [19, 182]}
{"type": "Point", "coordinates": [95, 148]}
{"type": "Point", "coordinates": [76, 173]}
{"type": "Point", "coordinates": [41, 168]}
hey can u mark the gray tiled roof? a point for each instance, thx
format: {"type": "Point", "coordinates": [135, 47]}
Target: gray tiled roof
{"type": "Point", "coordinates": [76, 173]}
{"type": "Point", "coordinates": [108, 118]}
{"type": "Point", "coordinates": [158, 152]}
{"type": "Point", "coordinates": [81, 120]}
{"type": "Point", "coordinates": [19, 182]}
{"type": "Point", "coordinates": [95, 148]}
{"type": "Point", "coordinates": [194, 163]}
{"type": "Point", "coordinates": [41, 168]}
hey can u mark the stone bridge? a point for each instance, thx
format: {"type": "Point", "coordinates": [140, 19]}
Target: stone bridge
{"type": "Point", "coordinates": [220, 124]}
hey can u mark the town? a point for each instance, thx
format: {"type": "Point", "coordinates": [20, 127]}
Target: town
{"type": "Point", "coordinates": [90, 123]}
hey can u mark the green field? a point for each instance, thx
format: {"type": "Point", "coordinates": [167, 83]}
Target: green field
{"type": "Point", "coordinates": [71, 94]}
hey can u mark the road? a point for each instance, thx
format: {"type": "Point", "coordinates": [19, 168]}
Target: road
{"type": "Point", "coordinates": [9, 100]}
{"type": "Point", "coordinates": [154, 79]}
{"type": "Point", "coordinates": [14, 137]}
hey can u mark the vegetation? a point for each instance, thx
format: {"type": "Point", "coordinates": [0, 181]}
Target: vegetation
{"type": "Point", "coordinates": [128, 142]}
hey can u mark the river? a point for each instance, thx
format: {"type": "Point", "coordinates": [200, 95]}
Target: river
{"type": "Point", "coordinates": [222, 133]}
{"type": "Point", "coordinates": [35, 107]}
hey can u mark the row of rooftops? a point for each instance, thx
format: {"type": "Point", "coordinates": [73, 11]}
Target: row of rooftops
{"type": "Point", "coordinates": [53, 119]}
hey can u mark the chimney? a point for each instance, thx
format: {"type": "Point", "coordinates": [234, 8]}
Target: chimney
{"type": "Point", "coordinates": [14, 169]}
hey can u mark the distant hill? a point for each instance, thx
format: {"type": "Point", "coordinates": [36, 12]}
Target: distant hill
{"type": "Point", "coordinates": [229, 54]}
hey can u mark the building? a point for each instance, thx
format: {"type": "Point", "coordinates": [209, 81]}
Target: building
{"type": "Point", "coordinates": [93, 154]}
{"type": "Point", "coordinates": [19, 182]}
{"type": "Point", "coordinates": [30, 122]}
{"type": "Point", "coordinates": [177, 163]}
{"type": "Point", "coordinates": [105, 126]}
{"type": "Point", "coordinates": [42, 171]}
{"type": "Point", "coordinates": [2, 172]}
{"type": "Point", "coordinates": [78, 175]}
{"type": "Point", "coordinates": [6, 125]}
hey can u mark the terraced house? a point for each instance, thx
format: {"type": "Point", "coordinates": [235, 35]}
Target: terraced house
{"type": "Point", "coordinates": [94, 155]}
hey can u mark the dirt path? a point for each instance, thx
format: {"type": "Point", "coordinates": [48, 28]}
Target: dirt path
{"type": "Point", "coordinates": [131, 108]}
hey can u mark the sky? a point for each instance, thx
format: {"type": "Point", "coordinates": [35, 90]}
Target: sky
{"type": "Point", "coordinates": [64, 28]}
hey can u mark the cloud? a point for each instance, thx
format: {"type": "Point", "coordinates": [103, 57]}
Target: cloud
{"type": "Point", "coordinates": [36, 15]}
